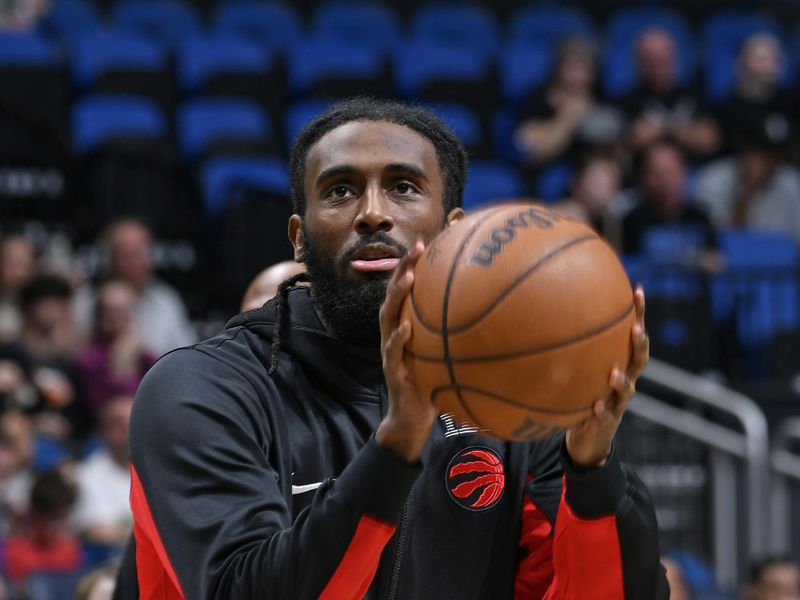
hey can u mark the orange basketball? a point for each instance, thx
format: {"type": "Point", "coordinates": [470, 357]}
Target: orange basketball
{"type": "Point", "coordinates": [518, 317]}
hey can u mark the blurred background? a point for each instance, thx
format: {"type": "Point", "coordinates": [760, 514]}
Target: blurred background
{"type": "Point", "coordinates": [143, 184]}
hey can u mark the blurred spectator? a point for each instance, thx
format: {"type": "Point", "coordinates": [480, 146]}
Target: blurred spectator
{"type": "Point", "coordinates": [17, 267]}
{"type": "Point", "coordinates": [48, 340]}
{"type": "Point", "coordinates": [558, 122]}
{"type": "Point", "coordinates": [659, 107]}
{"type": "Point", "coordinates": [116, 359]}
{"type": "Point", "coordinates": [776, 578]}
{"type": "Point", "coordinates": [265, 285]}
{"type": "Point", "coordinates": [662, 204]}
{"type": "Point", "coordinates": [160, 317]}
{"type": "Point", "coordinates": [678, 588]}
{"type": "Point", "coordinates": [45, 543]}
{"type": "Point", "coordinates": [20, 15]}
{"type": "Point", "coordinates": [102, 514]}
{"type": "Point", "coordinates": [16, 474]}
{"type": "Point", "coordinates": [98, 584]}
{"type": "Point", "coordinates": [16, 388]}
{"type": "Point", "coordinates": [756, 93]}
{"type": "Point", "coordinates": [756, 188]}
{"type": "Point", "coordinates": [595, 187]}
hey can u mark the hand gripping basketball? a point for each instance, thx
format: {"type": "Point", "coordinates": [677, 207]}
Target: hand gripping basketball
{"type": "Point", "coordinates": [408, 423]}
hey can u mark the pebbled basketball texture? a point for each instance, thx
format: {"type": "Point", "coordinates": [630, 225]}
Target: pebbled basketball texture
{"type": "Point", "coordinates": [518, 317]}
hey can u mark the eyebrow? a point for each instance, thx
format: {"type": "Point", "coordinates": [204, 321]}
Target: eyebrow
{"type": "Point", "coordinates": [406, 168]}
{"type": "Point", "coordinates": [336, 171]}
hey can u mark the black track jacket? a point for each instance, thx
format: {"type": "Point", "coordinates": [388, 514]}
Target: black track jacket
{"type": "Point", "coordinates": [247, 485]}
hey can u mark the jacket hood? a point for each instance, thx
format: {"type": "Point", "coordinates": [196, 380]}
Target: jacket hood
{"type": "Point", "coordinates": [321, 354]}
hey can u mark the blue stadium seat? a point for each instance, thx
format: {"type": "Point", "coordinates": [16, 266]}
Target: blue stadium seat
{"type": "Point", "coordinates": [758, 293]}
{"type": "Point", "coordinates": [546, 25]}
{"type": "Point", "coordinates": [203, 122]}
{"type": "Point", "coordinates": [464, 123]}
{"type": "Point", "coordinates": [274, 25]}
{"type": "Point", "coordinates": [369, 24]}
{"type": "Point", "coordinates": [297, 115]}
{"type": "Point", "coordinates": [51, 585]}
{"type": "Point", "coordinates": [26, 50]}
{"type": "Point", "coordinates": [202, 57]}
{"type": "Point", "coordinates": [552, 182]}
{"type": "Point", "coordinates": [524, 65]}
{"type": "Point", "coordinates": [619, 60]}
{"type": "Point", "coordinates": [168, 21]}
{"type": "Point", "coordinates": [456, 25]}
{"type": "Point", "coordinates": [97, 52]}
{"type": "Point", "coordinates": [221, 176]}
{"type": "Point", "coordinates": [722, 38]}
{"type": "Point", "coordinates": [68, 18]}
{"type": "Point", "coordinates": [421, 61]}
{"type": "Point", "coordinates": [98, 119]}
{"type": "Point", "coordinates": [490, 181]}
{"type": "Point", "coordinates": [347, 69]}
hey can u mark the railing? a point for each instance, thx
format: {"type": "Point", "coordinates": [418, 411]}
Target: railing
{"type": "Point", "coordinates": [785, 525]}
{"type": "Point", "coordinates": [729, 450]}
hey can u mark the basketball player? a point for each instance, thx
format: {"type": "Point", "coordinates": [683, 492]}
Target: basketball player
{"type": "Point", "coordinates": [292, 457]}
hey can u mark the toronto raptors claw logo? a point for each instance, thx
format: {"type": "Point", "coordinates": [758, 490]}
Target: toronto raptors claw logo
{"type": "Point", "coordinates": [475, 478]}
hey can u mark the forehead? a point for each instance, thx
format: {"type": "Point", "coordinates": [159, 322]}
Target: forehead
{"type": "Point", "coordinates": [369, 145]}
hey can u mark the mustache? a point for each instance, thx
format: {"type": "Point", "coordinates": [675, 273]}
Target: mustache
{"type": "Point", "coordinates": [379, 237]}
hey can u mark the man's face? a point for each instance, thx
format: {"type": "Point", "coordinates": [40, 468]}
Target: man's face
{"type": "Point", "coordinates": [779, 582]}
{"type": "Point", "coordinates": [663, 177]}
{"type": "Point", "coordinates": [372, 190]}
{"type": "Point", "coordinates": [656, 60]}
{"type": "Point", "coordinates": [130, 254]}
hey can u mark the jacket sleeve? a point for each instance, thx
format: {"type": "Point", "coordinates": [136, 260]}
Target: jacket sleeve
{"type": "Point", "coordinates": [604, 543]}
{"type": "Point", "coordinates": [210, 517]}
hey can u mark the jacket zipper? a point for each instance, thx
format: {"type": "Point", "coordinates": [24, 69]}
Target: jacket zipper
{"type": "Point", "coordinates": [400, 549]}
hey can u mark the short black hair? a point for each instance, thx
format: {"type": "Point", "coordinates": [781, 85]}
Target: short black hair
{"type": "Point", "coordinates": [52, 494]}
{"type": "Point", "coordinates": [450, 151]}
{"type": "Point", "coordinates": [42, 287]}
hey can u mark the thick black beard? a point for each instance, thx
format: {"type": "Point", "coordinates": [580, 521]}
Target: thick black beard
{"type": "Point", "coordinates": [348, 308]}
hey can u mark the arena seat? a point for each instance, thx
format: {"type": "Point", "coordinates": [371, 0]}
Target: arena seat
{"type": "Point", "coordinates": [619, 60]}
{"type": "Point", "coordinates": [223, 64]}
{"type": "Point", "coordinates": [323, 66]}
{"type": "Point", "coordinates": [68, 18]}
{"type": "Point", "coordinates": [271, 24]}
{"type": "Point", "coordinates": [489, 181]}
{"type": "Point", "coordinates": [298, 114]}
{"type": "Point", "coordinates": [370, 24]}
{"type": "Point", "coordinates": [466, 125]}
{"type": "Point", "coordinates": [218, 125]}
{"type": "Point", "coordinates": [547, 24]}
{"type": "Point", "coordinates": [524, 66]}
{"type": "Point", "coordinates": [168, 21]}
{"type": "Point", "coordinates": [221, 177]}
{"type": "Point", "coordinates": [434, 72]}
{"type": "Point", "coordinates": [552, 181]}
{"type": "Point", "coordinates": [462, 26]}
{"type": "Point", "coordinates": [102, 118]}
{"type": "Point", "coordinates": [122, 63]}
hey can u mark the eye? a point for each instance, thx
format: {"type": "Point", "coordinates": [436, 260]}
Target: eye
{"type": "Point", "coordinates": [339, 192]}
{"type": "Point", "coordinates": [405, 188]}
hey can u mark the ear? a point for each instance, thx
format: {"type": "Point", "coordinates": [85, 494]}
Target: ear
{"type": "Point", "coordinates": [455, 215]}
{"type": "Point", "coordinates": [296, 237]}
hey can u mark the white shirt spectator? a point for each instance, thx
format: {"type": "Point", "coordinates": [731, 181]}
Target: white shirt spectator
{"type": "Point", "coordinates": [103, 488]}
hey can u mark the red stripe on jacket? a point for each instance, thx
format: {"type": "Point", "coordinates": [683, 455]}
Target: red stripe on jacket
{"type": "Point", "coordinates": [355, 572]}
{"type": "Point", "coordinates": [586, 556]}
{"type": "Point", "coordinates": [157, 579]}
{"type": "Point", "coordinates": [535, 549]}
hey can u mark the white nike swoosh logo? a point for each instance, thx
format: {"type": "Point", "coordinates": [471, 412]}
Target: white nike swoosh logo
{"type": "Point", "coordinates": [302, 489]}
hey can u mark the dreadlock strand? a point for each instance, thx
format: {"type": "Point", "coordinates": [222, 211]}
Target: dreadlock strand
{"type": "Point", "coordinates": [282, 316]}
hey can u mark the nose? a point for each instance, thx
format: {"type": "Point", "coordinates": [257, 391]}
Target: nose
{"type": "Point", "coordinates": [374, 213]}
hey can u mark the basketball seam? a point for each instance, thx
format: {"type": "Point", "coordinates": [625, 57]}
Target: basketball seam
{"type": "Point", "coordinates": [492, 305]}
{"type": "Point", "coordinates": [417, 314]}
{"type": "Point", "coordinates": [445, 305]}
{"type": "Point", "coordinates": [512, 402]}
{"type": "Point", "coordinates": [574, 340]}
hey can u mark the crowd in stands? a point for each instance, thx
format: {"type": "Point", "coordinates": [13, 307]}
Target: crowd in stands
{"type": "Point", "coordinates": [664, 170]}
